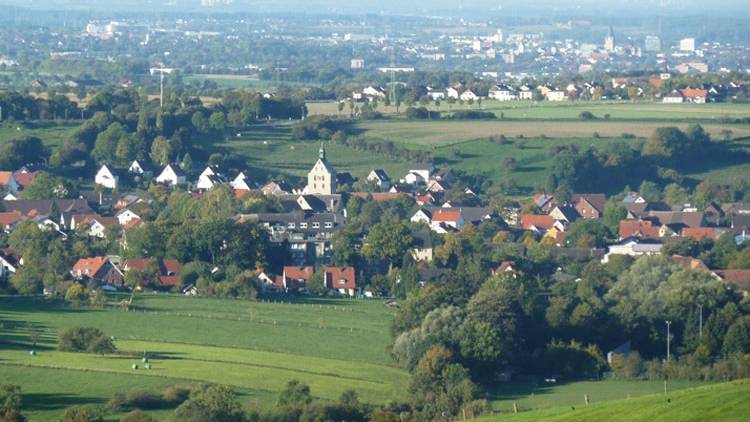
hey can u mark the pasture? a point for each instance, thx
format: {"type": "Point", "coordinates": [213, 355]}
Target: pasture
{"type": "Point", "coordinates": [445, 132]}
{"type": "Point", "coordinates": [51, 133]}
{"type": "Point", "coordinates": [570, 110]}
{"type": "Point", "coordinates": [255, 347]}
{"type": "Point", "coordinates": [725, 402]}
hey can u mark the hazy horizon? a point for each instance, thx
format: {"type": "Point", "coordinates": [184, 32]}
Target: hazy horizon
{"type": "Point", "coordinates": [406, 7]}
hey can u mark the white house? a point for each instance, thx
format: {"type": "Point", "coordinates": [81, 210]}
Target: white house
{"type": "Point", "coordinates": [104, 177]}
{"type": "Point", "coordinates": [469, 95]}
{"type": "Point", "coordinates": [208, 179]}
{"type": "Point", "coordinates": [421, 216]}
{"type": "Point", "coordinates": [9, 263]}
{"type": "Point", "coordinates": [674, 97]}
{"type": "Point", "coordinates": [125, 215]}
{"type": "Point", "coordinates": [556, 96]}
{"type": "Point", "coordinates": [525, 92]}
{"type": "Point", "coordinates": [452, 92]}
{"type": "Point", "coordinates": [380, 178]}
{"type": "Point", "coordinates": [502, 93]}
{"type": "Point", "coordinates": [137, 167]}
{"type": "Point", "coordinates": [418, 173]}
{"type": "Point", "coordinates": [172, 176]}
{"type": "Point", "coordinates": [240, 182]}
{"type": "Point", "coordinates": [633, 247]}
{"type": "Point", "coordinates": [373, 92]}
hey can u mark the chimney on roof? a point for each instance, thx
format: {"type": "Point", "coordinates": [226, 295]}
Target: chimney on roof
{"type": "Point", "coordinates": [101, 198]}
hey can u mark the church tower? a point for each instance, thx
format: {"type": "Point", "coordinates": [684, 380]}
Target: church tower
{"type": "Point", "coordinates": [609, 41]}
{"type": "Point", "coordinates": [321, 180]}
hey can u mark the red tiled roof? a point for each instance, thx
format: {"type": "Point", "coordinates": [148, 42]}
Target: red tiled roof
{"type": "Point", "coordinates": [241, 193]}
{"type": "Point", "coordinates": [699, 233]}
{"type": "Point", "coordinates": [740, 278]}
{"type": "Point", "coordinates": [133, 222]}
{"type": "Point", "coordinates": [9, 218]}
{"type": "Point", "coordinates": [341, 278]}
{"type": "Point", "coordinates": [5, 177]}
{"type": "Point", "coordinates": [171, 266]}
{"type": "Point", "coordinates": [299, 273]}
{"type": "Point", "coordinates": [543, 222]}
{"type": "Point", "coordinates": [25, 179]}
{"type": "Point", "coordinates": [638, 228]}
{"type": "Point", "coordinates": [694, 93]}
{"type": "Point", "coordinates": [89, 266]}
{"type": "Point", "coordinates": [446, 215]}
{"type": "Point", "coordinates": [689, 262]}
{"type": "Point", "coordinates": [170, 280]}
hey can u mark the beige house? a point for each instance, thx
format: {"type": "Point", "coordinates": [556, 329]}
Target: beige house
{"type": "Point", "coordinates": [321, 180]}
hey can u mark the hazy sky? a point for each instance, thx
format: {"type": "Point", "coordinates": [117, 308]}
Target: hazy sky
{"type": "Point", "coordinates": [443, 7]}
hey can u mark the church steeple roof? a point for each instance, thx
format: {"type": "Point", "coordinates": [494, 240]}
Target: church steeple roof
{"type": "Point", "coordinates": [322, 152]}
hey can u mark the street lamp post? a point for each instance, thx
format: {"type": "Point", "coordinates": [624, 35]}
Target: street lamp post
{"type": "Point", "coordinates": [668, 324]}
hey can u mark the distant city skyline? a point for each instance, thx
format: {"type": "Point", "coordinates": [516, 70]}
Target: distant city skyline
{"type": "Point", "coordinates": [582, 7]}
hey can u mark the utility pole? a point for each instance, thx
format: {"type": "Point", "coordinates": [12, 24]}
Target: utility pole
{"type": "Point", "coordinates": [700, 320]}
{"type": "Point", "coordinates": [161, 71]}
{"type": "Point", "coordinates": [668, 324]}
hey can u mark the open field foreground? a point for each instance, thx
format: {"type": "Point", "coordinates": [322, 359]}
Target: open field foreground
{"type": "Point", "coordinates": [254, 347]}
{"type": "Point", "coordinates": [719, 402]}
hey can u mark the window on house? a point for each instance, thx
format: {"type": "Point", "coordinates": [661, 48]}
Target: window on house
{"type": "Point", "coordinates": [316, 225]}
{"type": "Point", "coordinates": [290, 225]}
{"type": "Point", "coordinates": [329, 225]}
{"type": "Point", "coordinates": [303, 225]}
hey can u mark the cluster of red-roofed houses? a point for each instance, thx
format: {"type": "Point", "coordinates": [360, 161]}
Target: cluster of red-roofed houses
{"type": "Point", "coordinates": [647, 226]}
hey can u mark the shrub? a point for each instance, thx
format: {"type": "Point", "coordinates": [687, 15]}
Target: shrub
{"type": "Point", "coordinates": [586, 115]}
{"type": "Point", "coordinates": [472, 115]}
{"type": "Point", "coordinates": [137, 415]}
{"type": "Point", "coordinates": [82, 414]}
{"type": "Point", "coordinates": [85, 339]}
{"type": "Point", "coordinates": [176, 394]}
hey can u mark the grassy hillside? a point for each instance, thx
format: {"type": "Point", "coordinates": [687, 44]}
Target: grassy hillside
{"type": "Point", "coordinates": [255, 347]}
{"type": "Point", "coordinates": [724, 402]}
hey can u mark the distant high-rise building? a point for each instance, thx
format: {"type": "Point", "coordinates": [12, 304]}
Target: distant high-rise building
{"type": "Point", "coordinates": [652, 44]}
{"type": "Point", "coordinates": [687, 44]}
{"type": "Point", "coordinates": [609, 40]}
{"type": "Point", "coordinates": [358, 64]}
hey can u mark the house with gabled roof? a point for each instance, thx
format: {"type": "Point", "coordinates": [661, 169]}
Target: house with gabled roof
{"type": "Point", "coordinates": [168, 270]}
{"type": "Point", "coordinates": [99, 270]}
{"type": "Point", "coordinates": [24, 177]}
{"type": "Point", "coordinates": [341, 279]}
{"type": "Point", "coordinates": [537, 223]}
{"type": "Point", "coordinates": [590, 205]}
{"type": "Point", "coordinates": [639, 229]}
{"type": "Point", "coordinates": [9, 220]}
{"type": "Point", "coordinates": [8, 182]}
{"type": "Point", "coordinates": [240, 182]}
{"type": "Point", "coordinates": [139, 167]}
{"type": "Point", "coordinates": [171, 176]}
{"type": "Point", "coordinates": [106, 178]}
{"type": "Point", "coordinates": [379, 178]}
{"type": "Point", "coordinates": [295, 278]}
{"type": "Point", "coordinates": [9, 262]}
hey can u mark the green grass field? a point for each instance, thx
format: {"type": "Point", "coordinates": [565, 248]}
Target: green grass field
{"type": "Point", "coordinates": [718, 402]}
{"type": "Point", "coordinates": [255, 347]}
{"type": "Point", "coordinates": [570, 110]}
{"type": "Point", "coordinates": [51, 134]}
